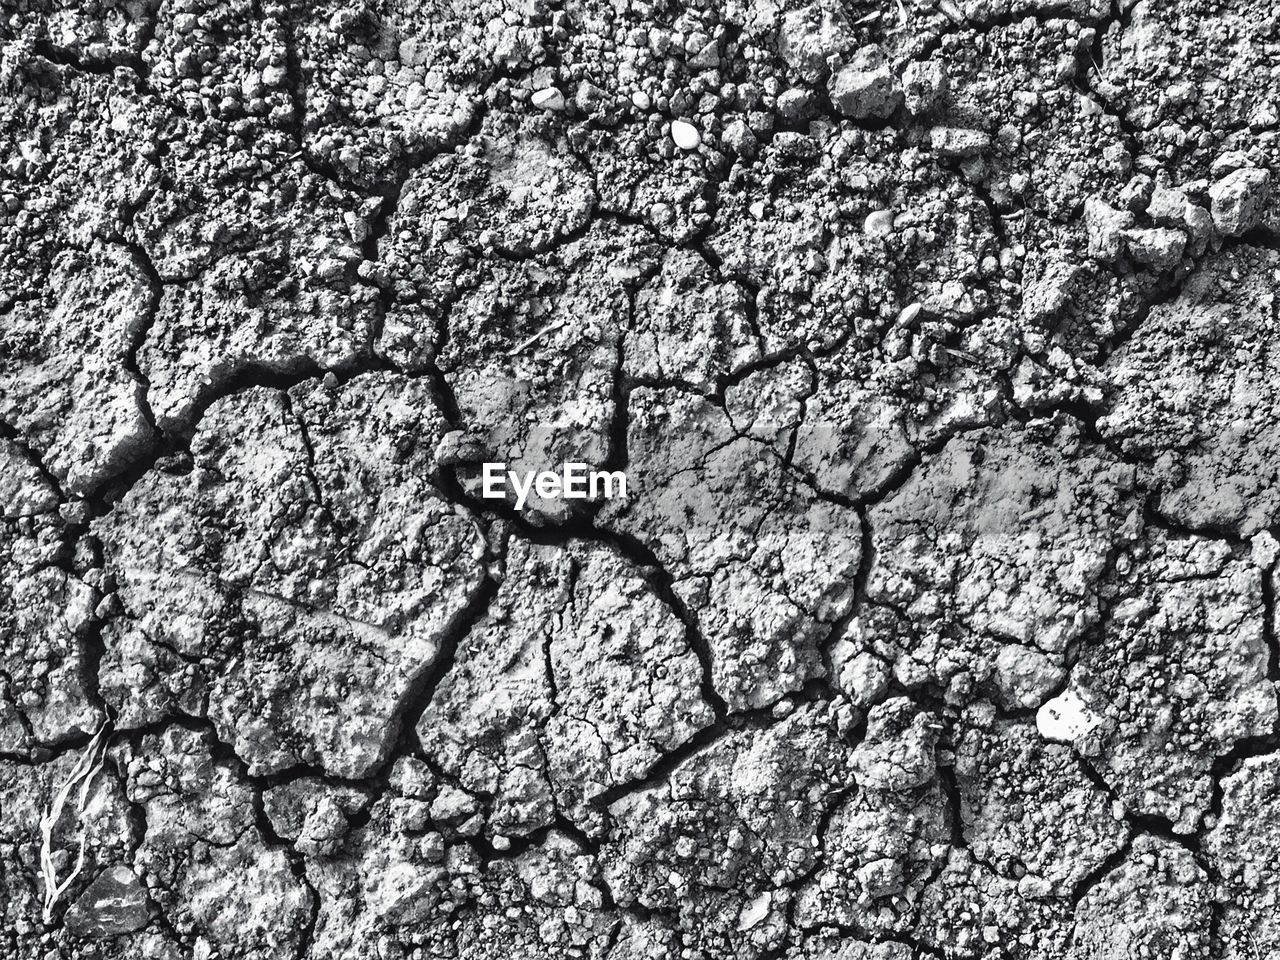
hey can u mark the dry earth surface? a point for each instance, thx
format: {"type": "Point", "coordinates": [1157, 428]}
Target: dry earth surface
{"type": "Point", "coordinates": [938, 340]}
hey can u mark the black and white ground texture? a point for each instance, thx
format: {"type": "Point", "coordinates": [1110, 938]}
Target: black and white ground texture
{"type": "Point", "coordinates": [938, 341]}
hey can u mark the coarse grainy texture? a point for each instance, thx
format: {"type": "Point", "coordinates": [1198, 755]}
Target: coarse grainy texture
{"type": "Point", "coordinates": [936, 341]}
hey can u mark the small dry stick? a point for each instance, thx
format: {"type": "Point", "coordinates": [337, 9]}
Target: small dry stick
{"type": "Point", "coordinates": [549, 328]}
{"type": "Point", "coordinates": [82, 775]}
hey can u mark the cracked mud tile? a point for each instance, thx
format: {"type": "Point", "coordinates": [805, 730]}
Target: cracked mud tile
{"type": "Point", "coordinates": [220, 60]}
{"type": "Point", "coordinates": [1157, 901]}
{"type": "Point", "coordinates": [689, 328]}
{"type": "Point", "coordinates": [575, 683]}
{"type": "Point", "coordinates": [868, 419]}
{"type": "Point", "coordinates": [218, 881]}
{"type": "Point", "coordinates": [764, 566]}
{"type": "Point", "coordinates": [397, 878]}
{"type": "Point", "coordinates": [970, 910]}
{"type": "Point", "coordinates": [1242, 850]}
{"type": "Point", "coordinates": [994, 547]}
{"type": "Point", "coordinates": [25, 493]}
{"type": "Point", "coordinates": [532, 359]}
{"type": "Point", "coordinates": [48, 616]}
{"type": "Point", "coordinates": [387, 83]}
{"type": "Point", "coordinates": [513, 192]}
{"type": "Point", "coordinates": [887, 839]}
{"type": "Point", "coordinates": [1201, 423]}
{"type": "Point", "coordinates": [97, 35]}
{"type": "Point", "coordinates": [838, 241]}
{"type": "Point", "coordinates": [1177, 678]}
{"type": "Point", "coordinates": [1191, 102]}
{"type": "Point", "coordinates": [64, 384]}
{"type": "Point", "coordinates": [722, 841]}
{"type": "Point", "coordinates": [78, 152]}
{"type": "Point", "coordinates": [44, 685]}
{"type": "Point", "coordinates": [1027, 808]}
{"type": "Point", "coordinates": [256, 265]}
{"type": "Point", "coordinates": [294, 578]}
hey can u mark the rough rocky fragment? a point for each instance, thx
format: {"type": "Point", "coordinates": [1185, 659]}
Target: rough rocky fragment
{"type": "Point", "coordinates": [1238, 200]}
{"type": "Point", "coordinates": [113, 904]}
{"type": "Point", "coordinates": [864, 88]}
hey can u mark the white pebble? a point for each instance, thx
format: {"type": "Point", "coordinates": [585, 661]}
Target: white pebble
{"type": "Point", "coordinates": [685, 135]}
{"type": "Point", "coordinates": [878, 223]}
{"type": "Point", "coordinates": [641, 100]}
{"type": "Point", "coordinates": [1066, 718]}
{"type": "Point", "coordinates": [909, 314]}
{"type": "Point", "coordinates": [548, 99]}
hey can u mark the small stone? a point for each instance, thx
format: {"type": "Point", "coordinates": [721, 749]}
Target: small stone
{"type": "Point", "coordinates": [881, 878]}
{"type": "Point", "coordinates": [112, 905]}
{"type": "Point", "coordinates": [1264, 550]}
{"type": "Point", "coordinates": [1049, 293]}
{"type": "Point", "coordinates": [795, 104]}
{"type": "Point", "coordinates": [959, 142]}
{"type": "Point", "coordinates": [1238, 199]}
{"type": "Point", "coordinates": [323, 829]}
{"type": "Point", "coordinates": [1066, 718]}
{"type": "Point", "coordinates": [548, 99]}
{"type": "Point", "coordinates": [865, 679]}
{"type": "Point", "coordinates": [1104, 225]}
{"type": "Point", "coordinates": [737, 136]}
{"type": "Point", "coordinates": [909, 314]}
{"type": "Point", "coordinates": [1167, 206]}
{"type": "Point", "coordinates": [641, 100]}
{"type": "Point", "coordinates": [879, 223]}
{"type": "Point", "coordinates": [1025, 676]}
{"type": "Point", "coordinates": [1228, 163]}
{"type": "Point", "coordinates": [864, 89]}
{"type": "Point", "coordinates": [1158, 247]}
{"type": "Point", "coordinates": [1199, 222]}
{"type": "Point", "coordinates": [685, 135]}
{"type": "Point", "coordinates": [810, 36]}
{"type": "Point", "coordinates": [755, 911]}
{"type": "Point", "coordinates": [925, 86]}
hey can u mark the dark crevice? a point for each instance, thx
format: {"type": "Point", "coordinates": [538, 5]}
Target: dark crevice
{"type": "Point", "coordinates": [15, 437]}
{"type": "Point", "coordinates": [661, 581]}
{"type": "Point", "coordinates": [402, 726]}
{"type": "Point", "coordinates": [1109, 864]}
{"type": "Point", "coordinates": [1267, 586]}
{"type": "Point", "coordinates": [141, 327]}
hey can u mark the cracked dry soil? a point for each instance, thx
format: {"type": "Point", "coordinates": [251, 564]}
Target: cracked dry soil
{"type": "Point", "coordinates": [936, 338]}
